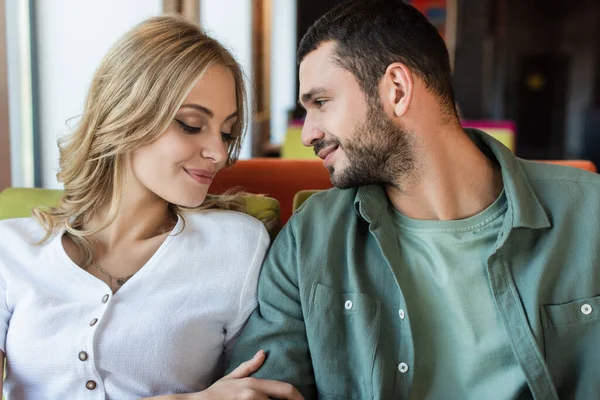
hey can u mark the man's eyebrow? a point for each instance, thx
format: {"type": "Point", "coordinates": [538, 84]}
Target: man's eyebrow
{"type": "Point", "coordinates": [308, 96]}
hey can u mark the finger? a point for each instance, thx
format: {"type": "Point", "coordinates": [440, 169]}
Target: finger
{"type": "Point", "coordinates": [247, 368]}
{"type": "Point", "coordinates": [280, 390]}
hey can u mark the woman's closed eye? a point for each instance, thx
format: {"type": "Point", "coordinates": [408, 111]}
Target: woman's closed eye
{"type": "Point", "coordinates": [192, 130]}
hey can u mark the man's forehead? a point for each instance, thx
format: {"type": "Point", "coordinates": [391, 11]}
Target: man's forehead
{"type": "Point", "coordinates": [317, 67]}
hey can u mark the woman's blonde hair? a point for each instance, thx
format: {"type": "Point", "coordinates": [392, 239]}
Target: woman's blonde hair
{"type": "Point", "coordinates": [134, 96]}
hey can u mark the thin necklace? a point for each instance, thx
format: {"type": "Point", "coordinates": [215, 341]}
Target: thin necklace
{"type": "Point", "coordinates": [120, 281]}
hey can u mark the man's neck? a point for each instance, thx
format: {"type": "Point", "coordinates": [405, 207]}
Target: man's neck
{"type": "Point", "coordinates": [452, 180]}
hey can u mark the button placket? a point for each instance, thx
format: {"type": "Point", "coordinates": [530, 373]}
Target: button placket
{"type": "Point", "coordinates": [104, 300]}
{"type": "Point", "coordinates": [92, 380]}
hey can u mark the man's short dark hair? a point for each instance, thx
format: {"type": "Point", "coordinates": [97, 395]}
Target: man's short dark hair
{"type": "Point", "coordinates": [372, 34]}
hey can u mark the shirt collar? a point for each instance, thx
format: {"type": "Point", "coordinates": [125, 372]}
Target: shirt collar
{"type": "Point", "coordinates": [526, 209]}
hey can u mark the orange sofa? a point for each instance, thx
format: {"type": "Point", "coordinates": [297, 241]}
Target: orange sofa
{"type": "Point", "coordinates": [582, 164]}
{"type": "Point", "coordinates": [278, 178]}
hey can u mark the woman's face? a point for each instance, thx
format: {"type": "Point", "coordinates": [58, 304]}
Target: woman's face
{"type": "Point", "coordinates": [179, 166]}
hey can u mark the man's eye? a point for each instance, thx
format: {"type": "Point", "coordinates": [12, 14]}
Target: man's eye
{"type": "Point", "coordinates": [320, 103]}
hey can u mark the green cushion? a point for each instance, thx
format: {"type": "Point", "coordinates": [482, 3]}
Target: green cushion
{"type": "Point", "coordinates": [18, 202]}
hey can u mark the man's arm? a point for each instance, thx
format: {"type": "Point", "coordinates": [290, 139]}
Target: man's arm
{"type": "Point", "coordinates": [277, 325]}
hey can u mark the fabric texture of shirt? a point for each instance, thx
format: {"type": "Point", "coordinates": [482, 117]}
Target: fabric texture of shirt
{"type": "Point", "coordinates": [329, 299]}
{"type": "Point", "coordinates": [166, 330]}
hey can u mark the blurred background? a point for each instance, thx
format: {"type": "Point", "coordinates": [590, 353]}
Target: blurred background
{"type": "Point", "coordinates": [525, 71]}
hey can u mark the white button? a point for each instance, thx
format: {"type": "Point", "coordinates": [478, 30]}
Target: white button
{"type": "Point", "coordinates": [403, 367]}
{"type": "Point", "coordinates": [401, 313]}
{"type": "Point", "coordinates": [348, 304]}
{"type": "Point", "coordinates": [586, 309]}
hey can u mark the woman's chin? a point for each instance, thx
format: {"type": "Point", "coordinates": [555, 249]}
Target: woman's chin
{"type": "Point", "coordinates": [188, 201]}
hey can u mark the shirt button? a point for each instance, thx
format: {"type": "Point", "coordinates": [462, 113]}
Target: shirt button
{"type": "Point", "coordinates": [105, 298]}
{"type": "Point", "coordinates": [401, 314]}
{"type": "Point", "coordinates": [83, 355]}
{"type": "Point", "coordinates": [586, 309]}
{"type": "Point", "coordinates": [90, 385]}
{"type": "Point", "coordinates": [348, 305]}
{"type": "Point", "coordinates": [93, 322]}
{"type": "Point", "coordinates": [403, 367]}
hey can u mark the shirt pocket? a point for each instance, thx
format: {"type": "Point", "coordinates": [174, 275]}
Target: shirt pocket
{"type": "Point", "coordinates": [342, 330]}
{"type": "Point", "coordinates": [572, 345]}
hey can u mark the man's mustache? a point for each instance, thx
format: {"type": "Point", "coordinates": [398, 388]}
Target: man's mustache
{"type": "Point", "coordinates": [321, 144]}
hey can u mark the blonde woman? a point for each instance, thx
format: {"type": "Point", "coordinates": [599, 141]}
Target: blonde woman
{"type": "Point", "coordinates": [137, 284]}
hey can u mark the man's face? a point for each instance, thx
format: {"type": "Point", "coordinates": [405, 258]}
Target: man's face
{"type": "Point", "coordinates": [357, 140]}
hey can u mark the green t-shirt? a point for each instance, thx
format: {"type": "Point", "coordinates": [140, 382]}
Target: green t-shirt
{"type": "Point", "coordinates": [462, 350]}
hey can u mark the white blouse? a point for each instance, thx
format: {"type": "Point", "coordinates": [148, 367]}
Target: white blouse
{"type": "Point", "coordinates": [67, 336]}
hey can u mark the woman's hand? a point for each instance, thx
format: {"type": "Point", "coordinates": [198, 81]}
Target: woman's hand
{"type": "Point", "coordinates": [239, 385]}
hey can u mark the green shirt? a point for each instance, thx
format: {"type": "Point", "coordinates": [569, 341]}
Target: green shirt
{"type": "Point", "coordinates": [329, 299]}
{"type": "Point", "coordinates": [461, 348]}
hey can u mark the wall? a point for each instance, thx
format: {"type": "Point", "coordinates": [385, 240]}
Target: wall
{"type": "Point", "coordinates": [494, 35]}
{"type": "Point", "coordinates": [472, 27]}
{"type": "Point", "coordinates": [19, 93]}
{"type": "Point", "coordinates": [5, 176]}
{"type": "Point", "coordinates": [283, 66]}
{"type": "Point", "coordinates": [71, 38]}
{"type": "Point", "coordinates": [578, 39]}
{"type": "Point", "coordinates": [230, 22]}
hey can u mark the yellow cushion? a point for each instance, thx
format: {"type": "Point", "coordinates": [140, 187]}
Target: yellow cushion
{"type": "Point", "coordinates": [18, 202]}
{"type": "Point", "coordinates": [293, 148]}
{"type": "Point", "coordinates": [301, 197]}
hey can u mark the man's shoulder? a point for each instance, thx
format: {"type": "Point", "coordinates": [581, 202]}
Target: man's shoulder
{"type": "Point", "coordinates": [325, 205]}
{"type": "Point", "coordinates": [542, 172]}
{"type": "Point", "coordinates": [562, 181]}
{"type": "Point", "coordinates": [565, 192]}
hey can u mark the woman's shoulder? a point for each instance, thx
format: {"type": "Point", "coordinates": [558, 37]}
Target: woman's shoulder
{"type": "Point", "coordinates": [228, 235]}
{"type": "Point", "coordinates": [21, 229]}
{"type": "Point", "coordinates": [224, 221]}
{"type": "Point", "coordinates": [20, 236]}
{"type": "Point", "coordinates": [225, 229]}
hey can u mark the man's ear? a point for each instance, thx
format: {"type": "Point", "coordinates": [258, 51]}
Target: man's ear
{"type": "Point", "coordinates": [397, 88]}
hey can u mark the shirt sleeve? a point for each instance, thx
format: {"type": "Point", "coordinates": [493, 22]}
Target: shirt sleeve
{"type": "Point", "coordinates": [5, 315]}
{"type": "Point", "coordinates": [277, 324]}
{"type": "Point", "coordinates": [248, 296]}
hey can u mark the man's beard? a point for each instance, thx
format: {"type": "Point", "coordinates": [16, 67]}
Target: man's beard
{"type": "Point", "coordinates": [378, 152]}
